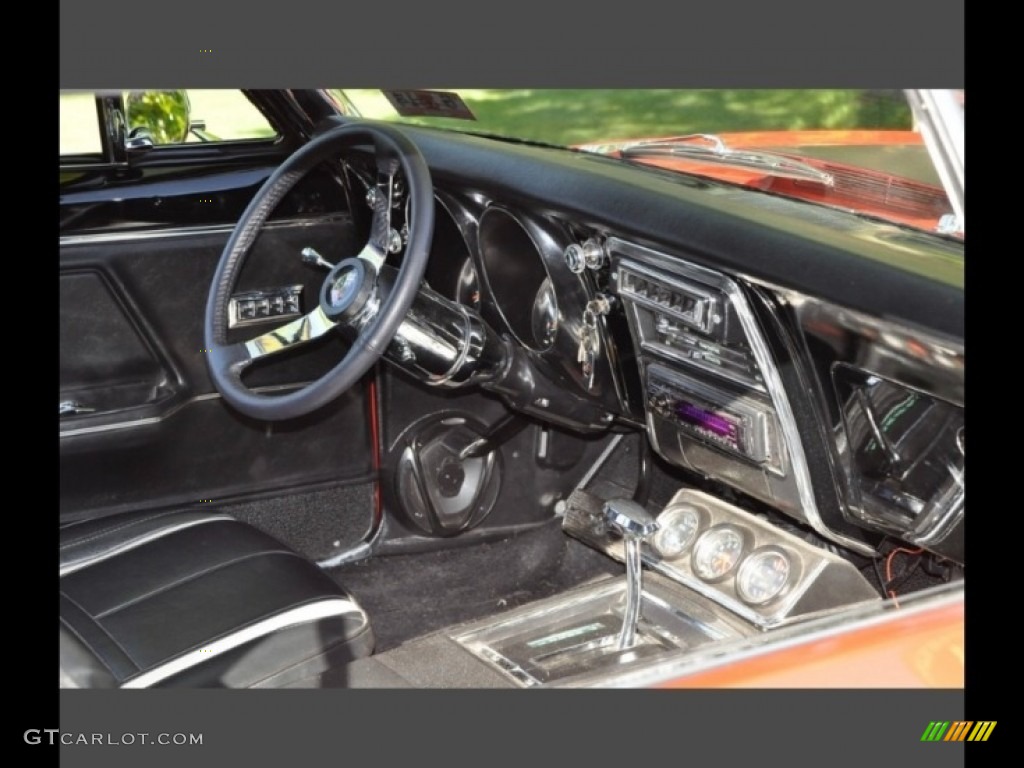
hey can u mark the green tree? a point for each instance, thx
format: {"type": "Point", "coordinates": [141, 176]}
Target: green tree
{"type": "Point", "coordinates": [164, 115]}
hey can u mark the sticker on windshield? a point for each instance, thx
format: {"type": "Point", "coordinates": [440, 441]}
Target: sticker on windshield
{"type": "Point", "coordinates": [429, 104]}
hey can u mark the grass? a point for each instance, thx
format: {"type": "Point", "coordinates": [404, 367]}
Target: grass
{"type": "Point", "coordinates": [561, 116]}
{"type": "Point", "coordinates": [579, 116]}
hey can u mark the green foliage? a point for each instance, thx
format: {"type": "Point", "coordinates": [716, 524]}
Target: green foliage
{"type": "Point", "coordinates": [579, 116]}
{"type": "Point", "coordinates": [163, 114]}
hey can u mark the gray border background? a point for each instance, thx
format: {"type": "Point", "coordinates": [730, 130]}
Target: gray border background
{"type": "Point", "coordinates": [639, 43]}
{"type": "Point", "coordinates": [830, 729]}
{"type": "Point", "coordinates": [649, 43]}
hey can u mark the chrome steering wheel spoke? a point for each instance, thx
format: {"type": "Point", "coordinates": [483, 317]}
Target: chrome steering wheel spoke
{"type": "Point", "coordinates": [348, 299]}
{"type": "Point", "coordinates": [299, 331]}
{"type": "Point", "coordinates": [381, 199]}
{"type": "Point", "coordinates": [373, 256]}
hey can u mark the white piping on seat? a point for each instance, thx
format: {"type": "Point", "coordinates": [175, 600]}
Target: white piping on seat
{"type": "Point", "coordinates": [302, 614]}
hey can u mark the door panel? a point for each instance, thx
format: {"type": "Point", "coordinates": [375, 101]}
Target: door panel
{"type": "Point", "coordinates": [132, 347]}
{"type": "Point", "coordinates": [107, 364]}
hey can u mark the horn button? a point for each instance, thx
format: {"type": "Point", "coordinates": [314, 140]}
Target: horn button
{"type": "Point", "coordinates": [346, 290]}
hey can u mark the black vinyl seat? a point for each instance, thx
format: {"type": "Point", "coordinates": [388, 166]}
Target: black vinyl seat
{"type": "Point", "coordinates": [196, 599]}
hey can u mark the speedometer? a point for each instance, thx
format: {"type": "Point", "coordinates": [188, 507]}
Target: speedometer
{"type": "Point", "coordinates": [717, 552]}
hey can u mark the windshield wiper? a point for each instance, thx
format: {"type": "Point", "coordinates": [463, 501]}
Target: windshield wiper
{"type": "Point", "coordinates": [714, 150]}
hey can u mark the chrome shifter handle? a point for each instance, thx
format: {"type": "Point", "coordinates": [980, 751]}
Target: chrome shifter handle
{"type": "Point", "coordinates": [634, 524]}
{"type": "Point", "coordinates": [629, 519]}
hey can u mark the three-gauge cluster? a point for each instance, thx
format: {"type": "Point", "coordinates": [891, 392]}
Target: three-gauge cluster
{"type": "Point", "coordinates": [720, 552]}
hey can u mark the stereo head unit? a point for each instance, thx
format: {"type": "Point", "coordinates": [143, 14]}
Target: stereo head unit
{"type": "Point", "coordinates": [729, 420]}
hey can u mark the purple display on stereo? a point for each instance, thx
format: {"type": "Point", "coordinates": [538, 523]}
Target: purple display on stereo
{"type": "Point", "coordinates": [712, 422]}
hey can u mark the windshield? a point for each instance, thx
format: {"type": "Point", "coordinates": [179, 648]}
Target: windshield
{"type": "Point", "coordinates": [860, 150]}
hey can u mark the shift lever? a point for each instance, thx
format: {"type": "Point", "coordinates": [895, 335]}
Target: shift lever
{"type": "Point", "coordinates": [635, 524]}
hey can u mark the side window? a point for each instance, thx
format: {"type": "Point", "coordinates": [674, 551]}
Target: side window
{"type": "Point", "coordinates": [165, 117]}
{"type": "Point", "coordinates": [194, 116]}
{"type": "Point", "coordinates": [79, 124]}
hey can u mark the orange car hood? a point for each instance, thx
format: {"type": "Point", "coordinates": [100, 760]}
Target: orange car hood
{"type": "Point", "coordinates": [880, 173]}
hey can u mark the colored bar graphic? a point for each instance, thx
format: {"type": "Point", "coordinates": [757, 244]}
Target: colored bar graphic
{"type": "Point", "coordinates": [982, 731]}
{"type": "Point", "coordinates": [958, 730]}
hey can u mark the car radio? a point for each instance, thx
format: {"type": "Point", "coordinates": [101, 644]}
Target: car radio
{"type": "Point", "coordinates": [734, 422]}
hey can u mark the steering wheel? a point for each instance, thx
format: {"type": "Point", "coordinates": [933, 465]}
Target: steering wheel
{"type": "Point", "coordinates": [351, 296]}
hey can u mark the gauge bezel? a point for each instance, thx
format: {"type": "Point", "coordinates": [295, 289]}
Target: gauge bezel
{"type": "Point", "coordinates": [702, 522]}
{"type": "Point", "coordinates": [792, 577]}
{"type": "Point", "coordinates": [513, 266]}
{"type": "Point", "coordinates": [745, 538]}
{"type": "Point", "coordinates": [451, 266]}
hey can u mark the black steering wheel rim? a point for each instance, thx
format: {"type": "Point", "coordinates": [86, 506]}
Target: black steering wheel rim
{"type": "Point", "coordinates": [227, 361]}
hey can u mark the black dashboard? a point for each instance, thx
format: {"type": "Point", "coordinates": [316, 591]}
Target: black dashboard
{"type": "Point", "coordinates": [806, 357]}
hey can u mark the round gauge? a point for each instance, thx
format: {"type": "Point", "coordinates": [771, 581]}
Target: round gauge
{"type": "Point", "coordinates": [515, 276]}
{"type": "Point", "coordinates": [450, 270]}
{"type": "Point", "coordinates": [544, 318]}
{"type": "Point", "coordinates": [764, 575]}
{"type": "Point", "coordinates": [717, 551]}
{"type": "Point", "coordinates": [677, 528]}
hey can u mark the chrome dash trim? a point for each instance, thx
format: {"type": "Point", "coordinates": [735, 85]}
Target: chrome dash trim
{"type": "Point", "coordinates": [758, 346]}
{"type": "Point", "coordinates": [787, 423]}
{"type": "Point", "coordinates": [102, 238]}
{"type": "Point", "coordinates": [323, 609]}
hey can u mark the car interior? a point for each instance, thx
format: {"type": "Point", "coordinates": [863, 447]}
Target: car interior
{"type": "Point", "coordinates": [383, 406]}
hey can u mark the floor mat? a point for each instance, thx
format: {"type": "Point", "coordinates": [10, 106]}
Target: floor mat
{"type": "Point", "coordinates": [410, 595]}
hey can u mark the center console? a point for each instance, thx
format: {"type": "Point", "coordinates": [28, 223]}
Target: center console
{"type": "Point", "coordinates": [573, 638]}
{"type": "Point", "coordinates": [715, 574]}
{"type": "Point", "coordinates": [714, 404]}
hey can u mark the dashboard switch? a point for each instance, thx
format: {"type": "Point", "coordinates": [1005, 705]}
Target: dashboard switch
{"type": "Point", "coordinates": [264, 305]}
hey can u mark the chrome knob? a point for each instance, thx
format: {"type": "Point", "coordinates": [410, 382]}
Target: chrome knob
{"type": "Point", "coordinates": [314, 259]}
{"type": "Point", "coordinates": [574, 258]}
{"type": "Point", "coordinates": [629, 519]}
{"type": "Point", "coordinates": [589, 255]}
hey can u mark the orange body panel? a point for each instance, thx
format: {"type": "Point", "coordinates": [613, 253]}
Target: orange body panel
{"type": "Point", "coordinates": [922, 204]}
{"type": "Point", "coordinates": [917, 650]}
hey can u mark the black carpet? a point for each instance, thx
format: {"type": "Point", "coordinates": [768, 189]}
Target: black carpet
{"type": "Point", "coordinates": [411, 595]}
{"type": "Point", "coordinates": [317, 524]}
